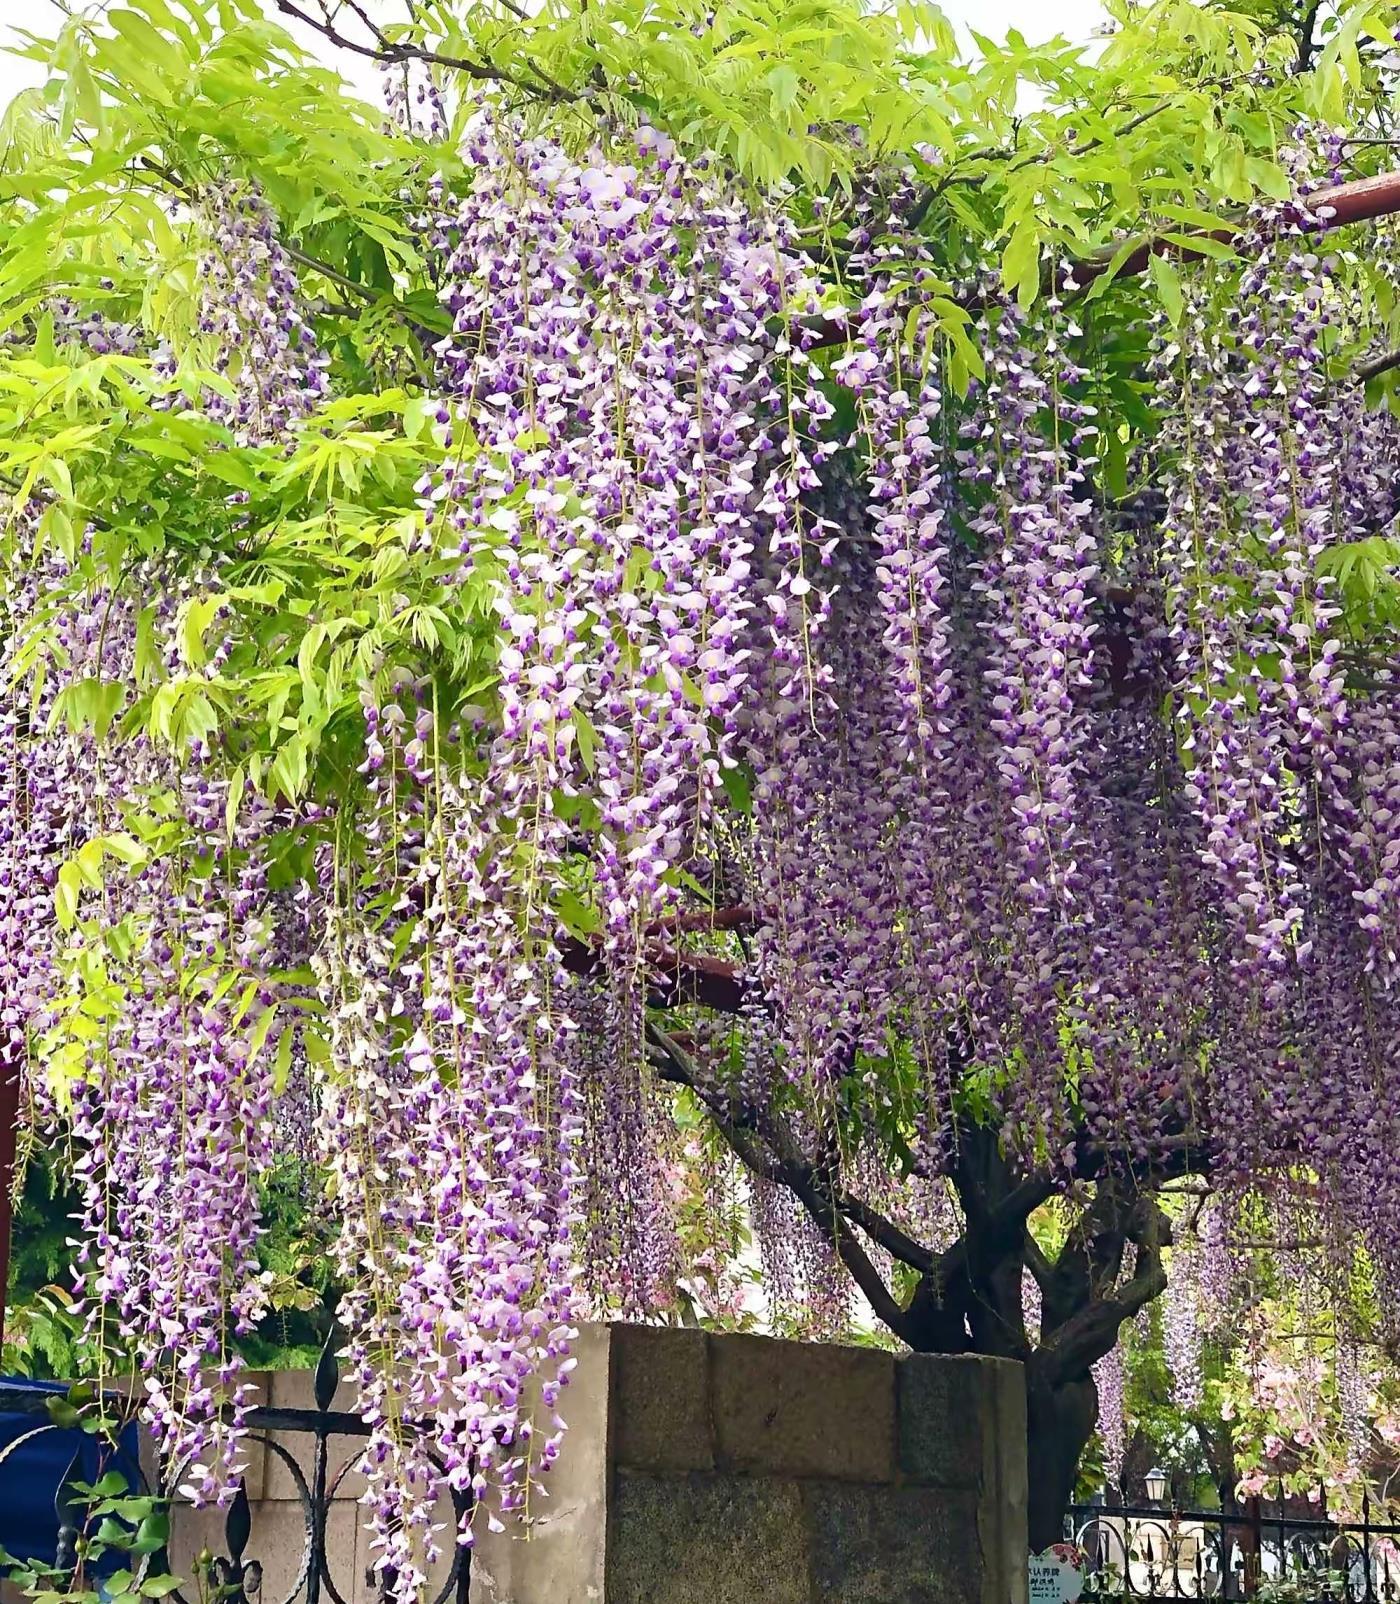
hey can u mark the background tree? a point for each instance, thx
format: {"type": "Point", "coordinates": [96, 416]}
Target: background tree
{"type": "Point", "coordinates": [1251, 1377]}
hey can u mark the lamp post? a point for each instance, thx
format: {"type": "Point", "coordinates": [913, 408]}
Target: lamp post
{"type": "Point", "coordinates": [1167, 1536]}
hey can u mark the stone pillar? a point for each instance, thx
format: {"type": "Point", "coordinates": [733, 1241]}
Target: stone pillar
{"type": "Point", "coordinates": [741, 1470]}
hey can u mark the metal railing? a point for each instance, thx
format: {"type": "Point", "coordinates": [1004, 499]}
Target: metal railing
{"type": "Point", "coordinates": [237, 1574]}
{"type": "Point", "coordinates": [1158, 1554]}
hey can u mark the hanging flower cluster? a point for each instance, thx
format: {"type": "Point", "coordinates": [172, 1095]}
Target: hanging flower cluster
{"type": "Point", "coordinates": [249, 311]}
{"type": "Point", "coordinates": [1182, 1325]}
{"type": "Point", "coordinates": [1113, 1423]}
{"type": "Point", "coordinates": [168, 1111]}
{"type": "Point", "coordinates": [1288, 773]}
{"type": "Point", "coordinates": [608, 323]}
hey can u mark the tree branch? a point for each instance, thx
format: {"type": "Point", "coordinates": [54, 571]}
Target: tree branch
{"type": "Point", "coordinates": [1374, 366]}
{"type": "Point", "coordinates": [1036, 1262]}
{"type": "Point", "coordinates": [1306, 29]}
{"type": "Point", "coordinates": [1092, 1331]}
{"type": "Point", "coordinates": [328, 272]}
{"type": "Point", "coordinates": [390, 53]}
{"type": "Point", "coordinates": [1360, 201]}
{"type": "Point", "coordinates": [675, 977]}
{"type": "Point", "coordinates": [739, 917]}
{"type": "Point", "coordinates": [787, 1168]}
{"type": "Point", "coordinates": [995, 1204]}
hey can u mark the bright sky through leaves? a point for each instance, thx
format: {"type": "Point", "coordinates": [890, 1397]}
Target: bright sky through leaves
{"type": "Point", "coordinates": [1077, 20]}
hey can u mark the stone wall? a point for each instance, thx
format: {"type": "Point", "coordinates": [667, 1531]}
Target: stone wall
{"type": "Point", "coordinates": [742, 1470]}
{"type": "Point", "coordinates": [716, 1470]}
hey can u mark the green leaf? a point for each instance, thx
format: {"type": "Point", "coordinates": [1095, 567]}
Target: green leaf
{"type": "Point", "coordinates": [147, 658]}
{"type": "Point", "coordinates": [1020, 262]}
{"type": "Point", "coordinates": [282, 1063]}
{"type": "Point", "coordinates": [738, 787]}
{"type": "Point", "coordinates": [156, 47]}
{"type": "Point", "coordinates": [237, 784]}
{"type": "Point", "coordinates": [287, 774]}
{"type": "Point", "coordinates": [62, 1413]}
{"type": "Point", "coordinates": [125, 848]}
{"type": "Point", "coordinates": [587, 738]}
{"type": "Point", "coordinates": [198, 615]}
{"type": "Point", "coordinates": [417, 416]}
{"type": "Point", "coordinates": [159, 1586]}
{"type": "Point", "coordinates": [1168, 283]}
{"type": "Point", "coordinates": [580, 917]}
{"type": "Point", "coordinates": [784, 86]}
{"type": "Point", "coordinates": [152, 1534]}
{"type": "Point", "coordinates": [257, 1037]}
{"type": "Point", "coordinates": [1269, 177]}
{"type": "Point", "coordinates": [66, 894]}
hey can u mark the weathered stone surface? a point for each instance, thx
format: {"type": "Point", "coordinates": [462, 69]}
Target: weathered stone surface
{"type": "Point", "coordinates": [1006, 1496]}
{"type": "Point", "coordinates": [948, 1416]}
{"type": "Point", "coordinates": [892, 1545]}
{"type": "Point", "coordinates": [803, 1409]}
{"type": "Point", "coordinates": [661, 1400]}
{"type": "Point", "coordinates": [706, 1539]}
{"type": "Point", "coordinates": [1001, 1515]}
{"type": "Point", "coordinates": [559, 1557]}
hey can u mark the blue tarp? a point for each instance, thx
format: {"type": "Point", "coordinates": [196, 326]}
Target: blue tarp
{"type": "Point", "coordinates": [30, 1474]}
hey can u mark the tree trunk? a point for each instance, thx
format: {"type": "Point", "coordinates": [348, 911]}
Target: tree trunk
{"type": "Point", "coordinates": [1059, 1423]}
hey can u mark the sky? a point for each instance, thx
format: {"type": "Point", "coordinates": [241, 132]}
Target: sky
{"type": "Point", "coordinates": [1038, 20]}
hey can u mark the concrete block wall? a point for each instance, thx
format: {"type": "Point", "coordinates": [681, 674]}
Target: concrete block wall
{"type": "Point", "coordinates": [742, 1470]}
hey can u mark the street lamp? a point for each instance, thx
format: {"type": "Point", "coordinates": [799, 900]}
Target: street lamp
{"type": "Point", "coordinates": [1156, 1485]}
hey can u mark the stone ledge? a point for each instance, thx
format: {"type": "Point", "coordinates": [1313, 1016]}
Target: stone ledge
{"type": "Point", "coordinates": [660, 1406]}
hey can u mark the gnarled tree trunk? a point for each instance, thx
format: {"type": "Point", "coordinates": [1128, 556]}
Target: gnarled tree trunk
{"type": "Point", "coordinates": [967, 1298]}
{"type": "Point", "coordinates": [1060, 1420]}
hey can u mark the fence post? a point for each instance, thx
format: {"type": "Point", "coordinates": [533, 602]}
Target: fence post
{"type": "Point", "coordinates": [323, 1389]}
{"type": "Point", "coordinates": [234, 1578]}
{"type": "Point", "coordinates": [1368, 1583]}
{"type": "Point", "coordinates": [69, 1519]}
{"type": "Point", "coordinates": [9, 1125]}
{"type": "Point", "coordinates": [1252, 1545]}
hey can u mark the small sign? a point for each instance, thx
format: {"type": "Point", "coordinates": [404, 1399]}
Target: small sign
{"type": "Point", "coordinates": [1056, 1576]}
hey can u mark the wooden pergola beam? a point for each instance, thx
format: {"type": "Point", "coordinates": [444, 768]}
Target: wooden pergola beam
{"type": "Point", "coordinates": [1361, 201]}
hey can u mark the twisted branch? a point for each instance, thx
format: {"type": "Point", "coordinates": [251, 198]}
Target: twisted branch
{"type": "Point", "coordinates": [784, 1164]}
{"type": "Point", "coordinates": [392, 53]}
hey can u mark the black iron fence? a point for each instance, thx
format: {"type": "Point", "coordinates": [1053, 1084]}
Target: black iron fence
{"type": "Point", "coordinates": [236, 1575]}
{"type": "Point", "coordinates": [1257, 1551]}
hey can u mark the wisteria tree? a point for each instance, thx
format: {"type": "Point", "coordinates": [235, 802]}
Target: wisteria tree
{"type": "Point", "coordinates": [1250, 1377]}
{"type": "Point", "coordinates": [703, 605]}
